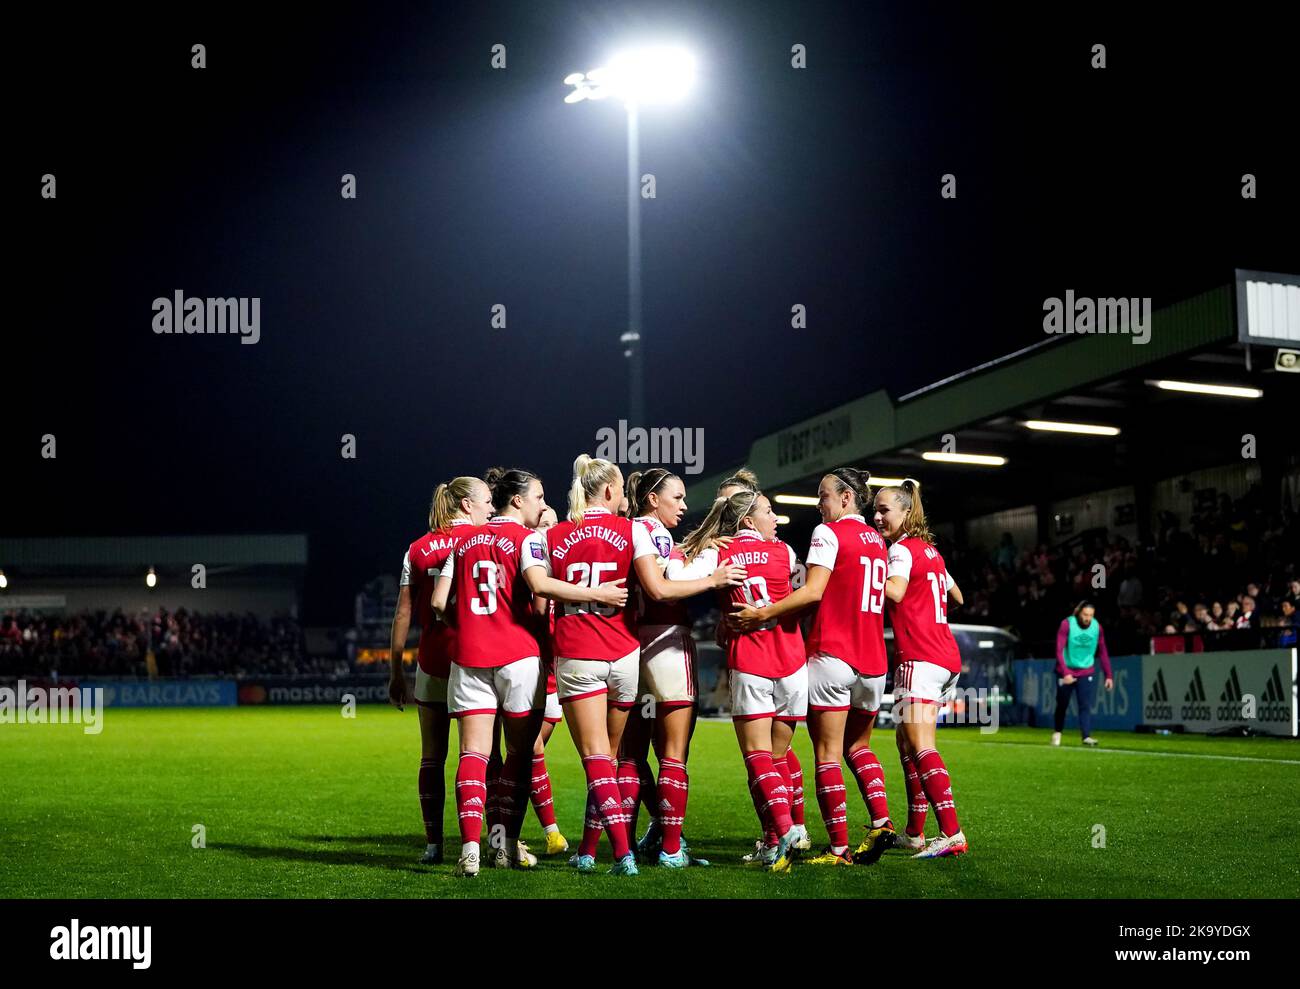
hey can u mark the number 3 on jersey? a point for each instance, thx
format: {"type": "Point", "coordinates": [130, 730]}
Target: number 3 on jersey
{"type": "Point", "coordinates": [485, 583]}
{"type": "Point", "coordinates": [873, 584]}
{"type": "Point", "coordinates": [939, 588]}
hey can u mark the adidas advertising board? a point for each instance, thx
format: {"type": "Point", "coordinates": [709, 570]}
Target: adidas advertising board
{"type": "Point", "coordinates": [1206, 692]}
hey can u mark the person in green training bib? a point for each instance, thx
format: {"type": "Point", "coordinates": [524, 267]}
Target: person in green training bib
{"type": "Point", "coordinates": [1080, 642]}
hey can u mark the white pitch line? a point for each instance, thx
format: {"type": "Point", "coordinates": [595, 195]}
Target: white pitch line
{"type": "Point", "coordinates": [948, 739]}
{"type": "Point", "coordinates": [1166, 755]}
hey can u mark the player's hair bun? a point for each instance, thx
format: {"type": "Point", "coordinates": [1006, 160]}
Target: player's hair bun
{"type": "Point", "coordinates": [857, 481]}
{"type": "Point", "coordinates": [492, 476]}
{"type": "Point", "coordinates": [581, 465]}
{"type": "Point", "coordinates": [746, 476]}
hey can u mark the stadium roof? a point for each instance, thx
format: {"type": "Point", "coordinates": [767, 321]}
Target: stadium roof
{"type": "Point", "coordinates": [1105, 379]}
{"type": "Point", "coordinates": [101, 554]}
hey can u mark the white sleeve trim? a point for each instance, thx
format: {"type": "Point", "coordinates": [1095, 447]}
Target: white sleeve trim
{"type": "Point", "coordinates": [900, 562]}
{"type": "Point", "coordinates": [535, 553]}
{"type": "Point", "coordinates": [824, 548]}
{"type": "Point", "coordinates": [642, 544]}
{"type": "Point", "coordinates": [701, 566]}
{"type": "Point", "coordinates": [405, 579]}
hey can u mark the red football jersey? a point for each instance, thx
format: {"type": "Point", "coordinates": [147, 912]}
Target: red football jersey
{"type": "Point", "coordinates": [494, 617]}
{"type": "Point", "coordinates": [650, 611]}
{"type": "Point", "coordinates": [598, 550]}
{"type": "Point", "coordinates": [850, 621]}
{"type": "Point", "coordinates": [920, 620]}
{"type": "Point", "coordinates": [777, 649]}
{"type": "Point", "coordinates": [420, 568]}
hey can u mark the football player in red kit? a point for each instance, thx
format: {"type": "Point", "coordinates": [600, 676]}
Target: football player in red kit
{"type": "Point", "coordinates": [540, 792]}
{"type": "Point", "coordinates": [668, 676]}
{"type": "Point", "coordinates": [847, 564]}
{"type": "Point", "coordinates": [918, 587]}
{"type": "Point", "coordinates": [792, 771]}
{"type": "Point", "coordinates": [497, 663]}
{"type": "Point", "coordinates": [767, 665]}
{"type": "Point", "coordinates": [457, 507]}
{"type": "Point", "coordinates": [598, 651]}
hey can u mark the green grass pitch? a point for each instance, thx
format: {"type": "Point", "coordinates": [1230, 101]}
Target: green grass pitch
{"type": "Point", "coordinates": [301, 802]}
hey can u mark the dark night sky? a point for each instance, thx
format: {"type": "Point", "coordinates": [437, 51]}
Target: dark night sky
{"type": "Point", "coordinates": [478, 186]}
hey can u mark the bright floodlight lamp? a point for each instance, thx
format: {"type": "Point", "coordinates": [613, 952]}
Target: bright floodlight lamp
{"type": "Point", "coordinates": [4, 581]}
{"type": "Point", "coordinates": [151, 578]}
{"type": "Point", "coordinates": [639, 77]}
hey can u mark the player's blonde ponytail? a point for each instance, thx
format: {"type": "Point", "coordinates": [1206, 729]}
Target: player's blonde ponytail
{"type": "Point", "coordinates": [446, 501]}
{"type": "Point", "coordinates": [908, 496]}
{"type": "Point", "coordinates": [724, 519]}
{"type": "Point", "coordinates": [743, 478]}
{"type": "Point", "coordinates": [590, 474]}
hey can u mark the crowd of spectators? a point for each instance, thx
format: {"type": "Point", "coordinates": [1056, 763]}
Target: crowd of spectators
{"type": "Point", "coordinates": [1232, 570]}
{"type": "Point", "coordinates": [184, 643]}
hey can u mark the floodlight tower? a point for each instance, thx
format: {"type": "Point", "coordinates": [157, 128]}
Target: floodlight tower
{"type": "Point", "coordinates": [638, 78]}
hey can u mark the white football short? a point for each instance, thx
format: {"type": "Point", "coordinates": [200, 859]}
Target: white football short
{"type": "Point", "coordinates": [430, 690]}
{"type": "Point", "coordinates": [579, 678]}
{"type": "Point", "coordinates": [753, 696]}
{"type": "Point", "coordinates": [834, 685]}
{"type": "Point", "coordinates": [918, 680]}
{"type": "Point", "coordinates": [668, 671]}
{"type": "Point", "coordinates": [515, 689]}
{"type": "Point", "coordinates": [554, 713]}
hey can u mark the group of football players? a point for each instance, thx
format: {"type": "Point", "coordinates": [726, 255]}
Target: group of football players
{"type": "Point", "coordinates": [526, 621]}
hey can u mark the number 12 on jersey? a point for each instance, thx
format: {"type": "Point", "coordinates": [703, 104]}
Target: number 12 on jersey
{"type": "Point", "coordinates": [939, 587]}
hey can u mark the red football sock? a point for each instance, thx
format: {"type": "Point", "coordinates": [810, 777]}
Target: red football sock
{"type": "Point", "coordinates": [764, 820]}
{"type": "Point", "coordinates": [629, 790]}
{"type": "Point", "coordinates": [674, 785]}
{"type": "Point", "coordinates": [540, 793]}
{"type": "Point", "coordinates": [783, 770]}
{"type": "Point", "coordinates": [871, 781]}
{"type": "Point", "coordinates": [471, 794]}
{"type": "Point", "coordinates": [510, 794]}
{"type": "Point", "coordinates": [649, 795]}
{"type": "Point", "coordinates": [830, 798]}
{"type": "Point", "coordinates": [433, 794]}
{"type": "Point", "coordinates": [492, 807]}
{"type": "Point", "coordinates": [602, 785]}
{"type": "Point", "coordinates": [796, 786]}
{"type": "Point", "coordinates": [917, 805]}
{"type": "Point", "coordinates": [938, 788]}
{"type": "Point", "coordinates": [776, 802]}
{"type": "Point", "coordinates": [591, 827]}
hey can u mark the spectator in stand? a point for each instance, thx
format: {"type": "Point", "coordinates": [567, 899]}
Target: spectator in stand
{"type": "Point", "coordinates": [1200, 619]}
{"type": "Point", "coordinates": [1080, 644]}
{"type": "Point", "coordinates": [1130, 588]}
{"type": "Point", "coordinates": [1293, 594]}
{"type": "Point", "coordinates": [1230, 615]}
{"type": "Point", "coordinates": [1247, 618]}
{"type": "Point", "coordinates": [1005, 557]}
{"type": "Point", "coordinates": [1263, 603]}
{"type": "Point", "coordinates": [1288, 623]}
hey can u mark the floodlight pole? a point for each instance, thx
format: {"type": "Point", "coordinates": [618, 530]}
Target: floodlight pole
{"type": "Point", "coordinates": [632, 338]}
